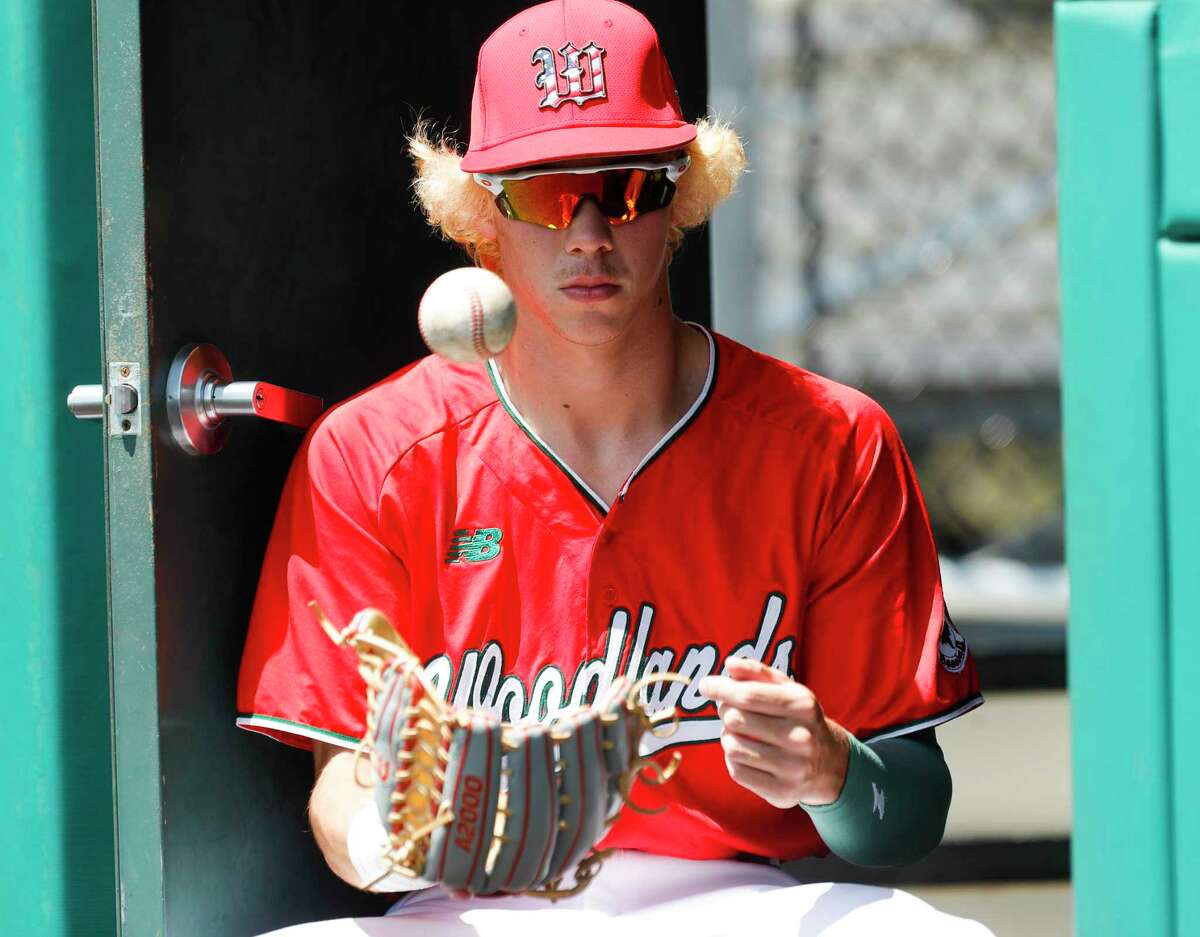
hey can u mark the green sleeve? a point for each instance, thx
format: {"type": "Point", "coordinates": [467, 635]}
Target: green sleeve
{"type": "Point", "coordinates": [892, 809]}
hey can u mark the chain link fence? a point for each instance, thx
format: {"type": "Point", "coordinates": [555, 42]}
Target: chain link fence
{"type": "Point", "coordinates": [901, 238]}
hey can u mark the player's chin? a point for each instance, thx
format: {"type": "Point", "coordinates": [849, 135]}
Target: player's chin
{"type": "Point", "coordinates": [592, 326]}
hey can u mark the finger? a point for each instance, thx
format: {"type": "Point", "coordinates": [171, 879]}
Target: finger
{"type": "Point", "coordinates": [765, 785]}
{"type": "Point", "coordinates": [771, 699]}
{"type": "Point", "coordinates": [746, 694]}
{"type": "Point", "coordinates": [777, 730]}
{"type": "Point", "coordinates": [745, 668]}
{"type": "Point", "coordinates": [761, 755]}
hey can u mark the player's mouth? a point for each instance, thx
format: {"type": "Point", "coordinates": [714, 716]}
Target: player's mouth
{"type": "Point", "coordinates": [589, 289]}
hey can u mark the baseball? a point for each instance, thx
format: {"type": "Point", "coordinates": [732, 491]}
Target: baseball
{"type": "Point", "coordinates": [467, 315]}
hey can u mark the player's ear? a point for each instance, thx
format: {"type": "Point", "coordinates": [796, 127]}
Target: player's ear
{"type": "Point", "coordinates": [488, 221]}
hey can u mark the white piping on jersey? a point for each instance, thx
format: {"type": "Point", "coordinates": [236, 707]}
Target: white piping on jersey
{"type": "Point", "coordinates": [691, 411]}
{"type": "Point", "coordinates": [932, 721]}
{"type": "Point", "coordinates": [494, 369]}
{"type": "Point", "coordinates": [261, 723]}
{"type": "Point", "coordinates": [690, 731]}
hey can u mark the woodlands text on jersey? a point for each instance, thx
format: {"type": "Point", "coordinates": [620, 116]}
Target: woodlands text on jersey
{"type": "Point", "coordinates": [778, 519]}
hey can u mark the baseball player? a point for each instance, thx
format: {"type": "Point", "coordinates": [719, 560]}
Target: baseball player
{"type": "Point", "coordinates": [622, 492]}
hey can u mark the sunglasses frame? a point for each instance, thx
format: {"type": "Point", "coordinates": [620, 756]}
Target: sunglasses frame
{"type": "Point", "coordinates": [494, 182]}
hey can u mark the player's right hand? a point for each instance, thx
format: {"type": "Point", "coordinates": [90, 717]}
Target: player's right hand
{"type": "Point", "coordinates": [778, 742]}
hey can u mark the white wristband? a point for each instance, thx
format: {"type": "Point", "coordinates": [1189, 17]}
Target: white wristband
{"type": "Point", "coordinates": [366, 841]}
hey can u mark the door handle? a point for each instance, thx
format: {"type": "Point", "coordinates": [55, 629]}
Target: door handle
{"type": "Point", "coordinates": [201, 398]}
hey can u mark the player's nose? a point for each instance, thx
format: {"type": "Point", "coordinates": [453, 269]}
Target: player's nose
{"type": "Point", "coordinates": [589, 231]}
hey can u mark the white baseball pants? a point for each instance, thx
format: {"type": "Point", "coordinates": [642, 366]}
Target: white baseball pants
{"type": "Point", "coordinates": [637, 894]}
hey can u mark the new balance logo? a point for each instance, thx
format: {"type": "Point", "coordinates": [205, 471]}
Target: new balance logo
{"type": "Point", "coordinates": [880, 800]}
{"type": "Point", "coordinates": [474, 546]}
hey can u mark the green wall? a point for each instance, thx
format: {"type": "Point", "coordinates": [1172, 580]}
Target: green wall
{"type": "Point", "coordinates": [1129, 138]}
{"type": "Point", "coordinates": [56, 870]}
{"type": "Point", "coordinates": [1179, 287]}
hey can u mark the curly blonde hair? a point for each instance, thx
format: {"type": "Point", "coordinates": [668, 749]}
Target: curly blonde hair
{"type": "Point", "coordinates": [458, 208]}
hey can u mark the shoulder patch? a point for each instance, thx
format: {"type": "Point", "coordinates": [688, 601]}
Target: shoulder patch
{"type": "Point", "coordinates": [952, 646]}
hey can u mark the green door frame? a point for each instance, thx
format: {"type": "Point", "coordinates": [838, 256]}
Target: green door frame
{"type": "Point", "coordinates": [124, 325]}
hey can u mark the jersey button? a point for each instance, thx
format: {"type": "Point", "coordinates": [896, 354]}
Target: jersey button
{"type": "Point", "coordinates": [610, 595]}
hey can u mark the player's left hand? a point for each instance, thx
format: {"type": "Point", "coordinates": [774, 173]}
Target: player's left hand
{"type": "Point", "coordinates": [778, 741]}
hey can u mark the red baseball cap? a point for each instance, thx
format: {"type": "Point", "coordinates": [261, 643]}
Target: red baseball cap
{"type": "Point", "coordinates": [570, 79]}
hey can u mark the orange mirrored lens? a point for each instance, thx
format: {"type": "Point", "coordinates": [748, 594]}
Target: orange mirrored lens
{"type": "Point", "coordinates": [620, 194]}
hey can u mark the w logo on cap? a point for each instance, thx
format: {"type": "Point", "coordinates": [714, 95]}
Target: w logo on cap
{"type": "Point", "coordinates": [517, 113]}
{"type": "Point", "coordinates": [574, 90]}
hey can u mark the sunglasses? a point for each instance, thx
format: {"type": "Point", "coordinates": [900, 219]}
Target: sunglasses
{"type": "Point", "coordinates": [549, 197]}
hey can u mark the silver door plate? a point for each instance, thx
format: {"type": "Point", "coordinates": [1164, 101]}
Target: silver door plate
{"type": "Point", "coordinates": [124, 399]}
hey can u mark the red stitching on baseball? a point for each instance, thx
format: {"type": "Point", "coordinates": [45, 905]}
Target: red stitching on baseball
{"type": "Point", "coordinates": [477, 341]}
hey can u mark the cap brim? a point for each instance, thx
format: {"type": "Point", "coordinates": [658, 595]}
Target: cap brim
{"type": "Point", "coordinates": [577, 142]}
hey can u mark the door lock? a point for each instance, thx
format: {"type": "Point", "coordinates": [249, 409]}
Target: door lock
{"type": "Point", "coordinates": [201, 397]}
{"type": "Point", "coordinates": [122, 402]}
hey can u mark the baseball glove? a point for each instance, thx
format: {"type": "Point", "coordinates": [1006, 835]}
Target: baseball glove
{"type": "Point", "coordinates": [487, 807]}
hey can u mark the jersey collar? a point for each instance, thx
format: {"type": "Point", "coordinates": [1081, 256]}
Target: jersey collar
{"type": "Point", "coordinates": [684, 421]}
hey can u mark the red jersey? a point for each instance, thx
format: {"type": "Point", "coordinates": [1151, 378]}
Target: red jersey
{"type": "Point", "coordinates": [779, 519]}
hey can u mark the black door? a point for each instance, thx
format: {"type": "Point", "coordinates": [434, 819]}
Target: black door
{"type": "Point", "coordinates": [255, 195]}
